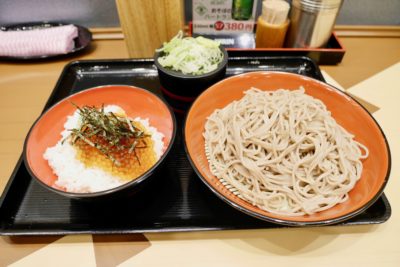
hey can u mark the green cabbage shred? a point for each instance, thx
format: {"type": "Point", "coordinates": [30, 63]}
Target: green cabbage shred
{"type": "Point", "coordinates": [190, 55]}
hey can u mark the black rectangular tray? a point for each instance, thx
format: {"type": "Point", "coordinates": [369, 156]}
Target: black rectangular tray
{"type": "Point", "coordinates": [179, 201]}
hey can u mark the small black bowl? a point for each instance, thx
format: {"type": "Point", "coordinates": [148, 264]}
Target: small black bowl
{"type": "Point", "coordinates": [186, 87]}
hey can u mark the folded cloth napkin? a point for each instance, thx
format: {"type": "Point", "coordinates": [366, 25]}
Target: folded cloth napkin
{"type": "Point", "coordinates": [38, 42]}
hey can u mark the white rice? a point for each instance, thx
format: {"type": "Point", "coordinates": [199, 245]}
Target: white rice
{"type": "Point", "coordinates": [73, 174]}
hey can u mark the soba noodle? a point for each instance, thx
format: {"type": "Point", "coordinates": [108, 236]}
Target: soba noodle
{"type": "Point", "coordinates": [283, 152]}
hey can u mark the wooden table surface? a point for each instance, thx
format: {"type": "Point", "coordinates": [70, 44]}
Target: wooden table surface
{"type": "Point", "coordinates": [365, 71]}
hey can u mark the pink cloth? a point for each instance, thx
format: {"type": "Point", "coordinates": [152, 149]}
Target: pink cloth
{"type": "Point", "coordinates": [46, 41]}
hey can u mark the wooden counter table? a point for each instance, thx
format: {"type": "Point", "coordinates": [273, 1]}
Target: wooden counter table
{"type": "Point", "coordinates": [370, 70]}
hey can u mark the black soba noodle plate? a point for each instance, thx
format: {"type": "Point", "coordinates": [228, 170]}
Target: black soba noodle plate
{"type": "Point", "coordinates": [80, 43]}
{"type": "Point", "coordinates": [178, 201]}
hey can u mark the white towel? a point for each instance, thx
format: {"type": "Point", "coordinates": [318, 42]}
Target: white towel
{"type": "Point", "coordinates": [45, 41]}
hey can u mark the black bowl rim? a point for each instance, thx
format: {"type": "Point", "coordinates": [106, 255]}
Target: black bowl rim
{"type": "Point", "coordinates": [180, 75]}
{"type": "Point", "coordinates": [83, 35]}
{"type": "Point", "coordinates": [110, 191]}
{"type": "Point", "coordinates": [293, 222]}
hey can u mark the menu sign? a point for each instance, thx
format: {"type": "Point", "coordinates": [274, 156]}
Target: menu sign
{"type": "Point", "coordinates": [223, 17]}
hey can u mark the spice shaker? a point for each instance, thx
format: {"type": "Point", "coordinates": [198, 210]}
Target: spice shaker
{"type": "Point", "coordinates": [272, 24]}
{"type": "Point", "coordinates": [312, 22]}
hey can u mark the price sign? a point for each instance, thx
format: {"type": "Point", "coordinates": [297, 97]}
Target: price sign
{"type": "Point", "coordinates": [223, 17]}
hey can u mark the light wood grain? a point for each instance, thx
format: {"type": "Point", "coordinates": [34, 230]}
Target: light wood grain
{"type": "Point", "coordinates": [364, 57]}
{"type": "Point", "coordinates": [367, 30]}
{"type": "Point", "coordinates": [146, 24]}
{"type": "Point", "coordinates": [340, 30]}
{"type": "Point", "coordinates": [24, 89]}
{"type": "Point", "coordinates": [174, 14]}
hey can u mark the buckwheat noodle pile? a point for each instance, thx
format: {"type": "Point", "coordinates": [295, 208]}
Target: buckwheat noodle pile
{"type": "Point", "coordinates": [283, 152]}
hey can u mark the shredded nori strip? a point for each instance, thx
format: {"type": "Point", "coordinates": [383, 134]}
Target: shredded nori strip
{"type": "Point", "coordinates": [119, 133]}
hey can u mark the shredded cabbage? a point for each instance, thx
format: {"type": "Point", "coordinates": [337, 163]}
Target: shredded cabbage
{"type": "Point", "coordinates": [191, 55]}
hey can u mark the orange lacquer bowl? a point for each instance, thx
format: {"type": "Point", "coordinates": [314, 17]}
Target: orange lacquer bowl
{"type": "Point", "coordinates": [135, 101]}
{"type": "Point", "coordinates": [347, 112]}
